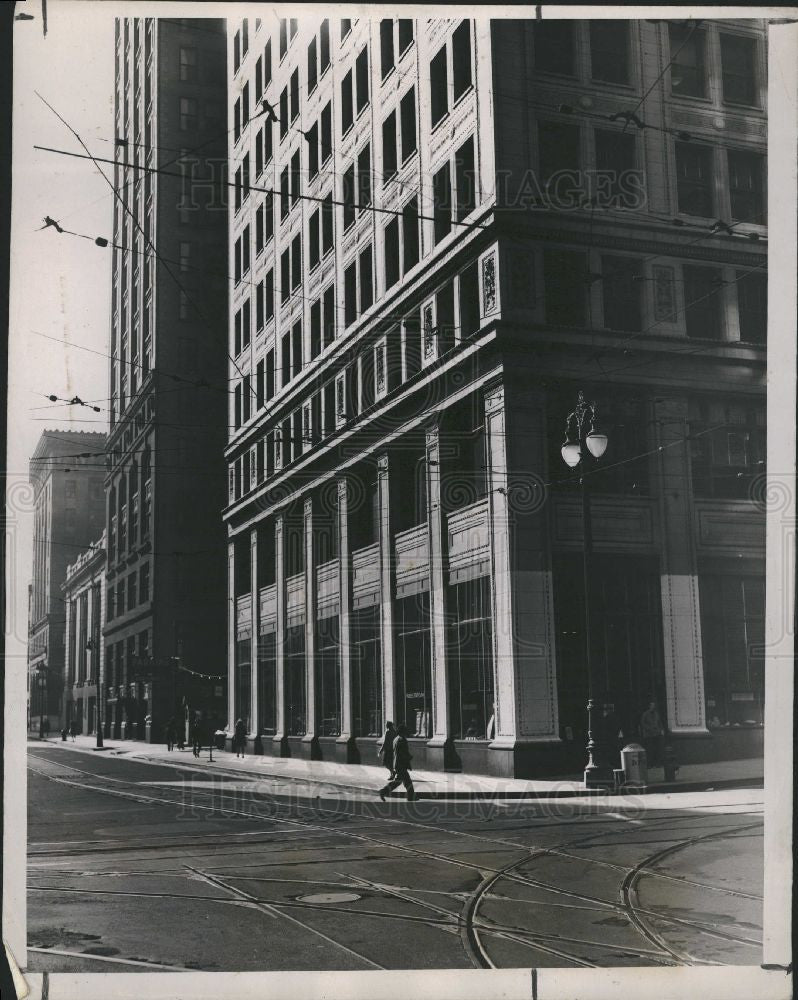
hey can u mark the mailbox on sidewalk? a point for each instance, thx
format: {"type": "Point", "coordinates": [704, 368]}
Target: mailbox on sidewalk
{"type": "Point", "coordinates": [634, 765]}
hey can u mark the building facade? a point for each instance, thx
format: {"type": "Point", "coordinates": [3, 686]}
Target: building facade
{"type": "Point", "coordinates": [165, 616]}
{"type": "Point", "coordinates": [444, 230]}
{"type": "Point", "coordinates": [84, 605]}
{"type": "Point", "coordinates": [66, 474]}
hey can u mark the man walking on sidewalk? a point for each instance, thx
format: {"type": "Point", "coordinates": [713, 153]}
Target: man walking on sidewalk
{"type": "Point", "coordinates": [385, 748]}
{"type": "Point", "coordinates": [401, 766]}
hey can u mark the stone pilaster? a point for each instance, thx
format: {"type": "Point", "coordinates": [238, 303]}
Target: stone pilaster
{"type": "Point", "coordinates": [386, 589]}
{"type": "Point", "coordinates": [523, 604]}
{"type": "Point", "coordinates": [253, 698]}
{"type": "Point", "coordinates": [437, 746]}
{"type": "Point", "coordinates": [231, 638]}
{"type": "Point", "coordinates": [278, 740]}
{"type": "Point", "coordinates": [681, 623]}
{"type": "Point", "coordinates": [345, 747]}
{"type": "Point", "coordinates": [309, 740]}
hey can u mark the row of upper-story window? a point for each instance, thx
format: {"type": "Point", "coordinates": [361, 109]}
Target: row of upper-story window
{"type": "Point", "coordinates": [726, 443]}
{"type": "Point", "coordinates": [609, 291]}
{"type": "Point", "coordinates": [318, 49]}
{"type": "Point", "coordinates": [450, 316]}
{"type": "Point", "coordinates": [454, 191]}
{"type": "Point", "coordinates": [129, 592]}
{"type": "Point", "coordinates": [399, 139]}
{"type": "Point", "coordinates": [693, 51]}
{"type": "Point", "coordinates": [632, 294]}
{"type": "Point", "coordinates": [712, 181]}
{"type": "Point", "coordinates": [400, 253]}
{"type": "Point", "coordinates": [126, 530]}
{"type": "Point", "coordinates": [452, 62]}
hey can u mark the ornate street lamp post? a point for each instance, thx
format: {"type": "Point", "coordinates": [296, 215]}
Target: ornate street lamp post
{"type": "Point", "coordinates": [41, 677]}
{"type": "Point", "coordinates": [94, 646]}
{"type": "Point", "coordinates": [581, 449]}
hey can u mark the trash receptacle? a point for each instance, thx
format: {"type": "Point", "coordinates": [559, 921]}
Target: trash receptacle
{"type": "Point", "coordinates": [634, 764]}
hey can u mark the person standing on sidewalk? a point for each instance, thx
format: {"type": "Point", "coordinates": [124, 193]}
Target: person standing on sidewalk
{"type": "Point", "coordinates": [170, 734]}
{"type": "Point", "coordinates": [385, 748]}
{"type": "Point", "coordinates": [196, 735]}
{"type": "Point", "coordinates": [651, 734]}
{"type": "Point", "coordinates": [73, 730]}
{"type": "Point", "coordinates": [401, 766]}
{"type": "Point", "coordinates": [240, 738]}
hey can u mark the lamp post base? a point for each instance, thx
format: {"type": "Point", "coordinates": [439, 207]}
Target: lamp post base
{"type": "Point", "coordinates": [599, 777]}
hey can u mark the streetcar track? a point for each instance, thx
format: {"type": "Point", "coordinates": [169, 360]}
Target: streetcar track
{"type": "Point", "coordinates": [112, 959]}
{"type": "Point", "coordinates": [629, 896]}
{"type": "Point", "coordinates": [490, 876]}
{"type": "Point", "coordinates": [269, 907]}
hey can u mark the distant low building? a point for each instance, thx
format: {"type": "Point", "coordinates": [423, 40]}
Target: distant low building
{"type": "Point", "coordinates": [66, 473]}
{"type": "Point", "coordinates": [83, 591]}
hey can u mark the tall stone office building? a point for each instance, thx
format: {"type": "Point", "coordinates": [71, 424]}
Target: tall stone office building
{"type": "Point", "coordinates": [444, 230]}
{"type": "Point", "coordinates": [165, 618]}
{"type": "Point", "coordinates": [66, 475]}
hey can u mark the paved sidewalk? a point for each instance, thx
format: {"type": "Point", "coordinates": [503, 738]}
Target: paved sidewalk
{"type": "Point", "coordinates": [428, 784]}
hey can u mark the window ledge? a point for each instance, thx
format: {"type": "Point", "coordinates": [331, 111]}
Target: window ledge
{"type": "Point", "coordinates": [624, 88]}
{"type": "Point", "coordinates": [555, 73]}
{"type": "Point", "coordinates": [459, 100]}
{"type": "Point", "coordinates": [434, 128]}
{"type": "Point", "coordinates": [388, 75]}
{"type": "Point", "coordinates": [742, 106]}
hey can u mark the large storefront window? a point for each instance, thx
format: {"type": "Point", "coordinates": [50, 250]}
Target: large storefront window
{"type": "Point", "coordinates": [470, 656]}
{"type": "Point", "coordinates": [295, 716]}
{"type": "Point", "coordinates": [243, 687]}
{"type": "Point", "coordinates": [732, 636]}
{"type": "Point", "coordinates": [328, 677]}
{"type": "Point", "coordinates": [267, 685]}
{"type": "Point", "coordinates": [727, 448]}
{"type": "Point", "coordinates": [626, 617]}
{"type": "Point", "coordinates": [366, 672]}
{"type": "Point", "coordinates": [413, 665]}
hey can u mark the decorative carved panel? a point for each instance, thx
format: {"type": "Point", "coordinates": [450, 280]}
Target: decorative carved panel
{"type": "Point", "coordinates": [730, 527]}
{"type": "Point", "coordinates": [268, 609]}
{"type": "Point", "coordinates": [244, 616]}
{"type": "Point", "coordinates": [469, 542]}
{"type": "Point", "coordinates": [295, 599]}
{"type": "Point", "coordinates": [327, 589]}
{"type": "Point", "coordinates": [366, 576]}
{"type": "Point", "coordinates": [617, 523]}
{"type": "Point", "coordinates": [412, 561]}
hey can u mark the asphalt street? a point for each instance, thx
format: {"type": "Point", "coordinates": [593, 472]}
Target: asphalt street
{"type": "Point", "coordinates": [135, 866]}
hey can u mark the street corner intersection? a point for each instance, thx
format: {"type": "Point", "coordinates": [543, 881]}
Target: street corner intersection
{"type": "Point", "coordinates": [145, 865]}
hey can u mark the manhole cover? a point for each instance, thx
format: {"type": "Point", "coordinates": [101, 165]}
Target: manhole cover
{"type": "Point", "coordinates": [329, 897]}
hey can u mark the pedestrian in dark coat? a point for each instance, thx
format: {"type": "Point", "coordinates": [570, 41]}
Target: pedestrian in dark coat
{"type": "Point", "coordinates": [196, 736]}
{"type": "Point", "coordinates": [401, 766]}
{"type": "Point", "coordinates": [170, 734]}
{"type": "Point", "coordinates": [385, 748]}
{"type": "Point", "coordinates": [73, 730]}
{"type": "Point", "coordinates": [240, 738]}
{"type": "Point", "coordinates": [652, 733]}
